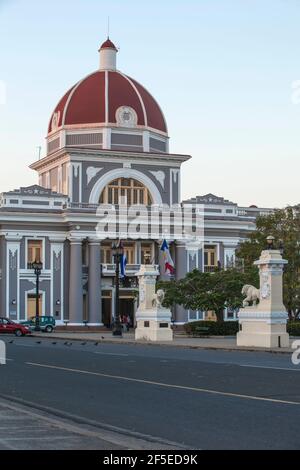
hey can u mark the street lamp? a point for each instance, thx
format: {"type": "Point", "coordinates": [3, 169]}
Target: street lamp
{"type": "Point", "coordinates": [117, 252]}
{"type": "Point", "coordinates": [270, 242]}
{"type": "Point", "coordinates": [37, 266]}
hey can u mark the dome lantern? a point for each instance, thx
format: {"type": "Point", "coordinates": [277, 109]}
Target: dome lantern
{"type": "Point", "coordinates": [108, 55]}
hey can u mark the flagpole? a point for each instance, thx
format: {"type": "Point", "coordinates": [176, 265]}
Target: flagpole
{"type": "Point", "coordinates": [117, 254]}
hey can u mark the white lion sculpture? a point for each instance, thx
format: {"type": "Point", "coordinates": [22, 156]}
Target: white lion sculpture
{"type": "Point", "coordinates": [158, 298]}
{"type": "Point", "coordinates": [252, 295]}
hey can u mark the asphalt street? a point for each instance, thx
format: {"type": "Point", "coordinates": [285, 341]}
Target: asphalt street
{"type": "Point", "coordinates": [95, 395]}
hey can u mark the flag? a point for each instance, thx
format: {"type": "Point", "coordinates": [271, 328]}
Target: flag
{"type": "Point", "coordinates": [169, 265]}
{"type": "Point", "coordinates": [123, 263]}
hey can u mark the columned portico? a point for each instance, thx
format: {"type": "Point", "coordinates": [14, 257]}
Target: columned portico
{"type": "Point", "coordinates": [94, 283]}
{"type": "Point", "coordinates": [75, 290]}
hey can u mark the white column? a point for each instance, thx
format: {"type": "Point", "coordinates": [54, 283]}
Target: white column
{"type": "Point", "coordinates": [75, 286]}
{"type": "Point", "coordinates": [94, 283]}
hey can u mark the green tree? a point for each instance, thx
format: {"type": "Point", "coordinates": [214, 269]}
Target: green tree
{"type": "Point", "coordinates": [208, 291]}
{"type": "Point", "coordinates": [284, 225]}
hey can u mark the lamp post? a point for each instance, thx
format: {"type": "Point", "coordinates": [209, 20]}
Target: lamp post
{"type": "Point", "coordinates": [37, 266]}
{"type": "Point", "coordinates": [117, 251]}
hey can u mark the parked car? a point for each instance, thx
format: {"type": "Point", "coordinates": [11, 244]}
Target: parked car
{"type": "Point", "coordinates": [47, 323]}
{"type": "Point", "coordinates": [10, 327]}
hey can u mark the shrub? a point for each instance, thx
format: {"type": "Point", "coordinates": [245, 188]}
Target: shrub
{"type": "Point", "coordinates": [293, 328]}
{"type": "Point", "coordinates": [211, 328]}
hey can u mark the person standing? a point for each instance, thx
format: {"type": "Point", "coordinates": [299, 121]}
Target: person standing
{"type": "Point", "coordinates": [128, 321]}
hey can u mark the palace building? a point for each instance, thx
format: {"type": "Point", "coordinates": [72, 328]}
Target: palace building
{"type": "Point", "coordinates": [107, 144]}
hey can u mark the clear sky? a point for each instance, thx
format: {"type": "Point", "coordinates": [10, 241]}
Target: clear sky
{"type": "Point", "coordinates": [222, 71]}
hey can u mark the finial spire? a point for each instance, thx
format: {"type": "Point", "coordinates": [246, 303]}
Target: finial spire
{"type": "Point", "coordinates": [108, 27]}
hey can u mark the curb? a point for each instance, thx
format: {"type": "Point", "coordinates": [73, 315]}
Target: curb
{"type": "Point", "coordinates": [172, 345]}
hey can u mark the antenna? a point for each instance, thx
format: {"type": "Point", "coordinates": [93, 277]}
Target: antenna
{"type": "Point", "coordinates": [40, 149]}
{"type": "Point", "coordinates": [108, 26]}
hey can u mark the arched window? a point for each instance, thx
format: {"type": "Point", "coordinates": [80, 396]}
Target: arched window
{"type": "Point", "coordinates": [125, 191]}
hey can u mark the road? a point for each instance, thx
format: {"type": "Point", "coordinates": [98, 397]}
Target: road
{"type": "Point", "coordinates": [114, 396]}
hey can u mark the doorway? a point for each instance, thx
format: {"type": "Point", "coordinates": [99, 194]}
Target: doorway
{"type": "Point", "coordinates": [31, 305]}
{"type": "Point", "coordinates": [127, 308]}
{"type": "Point", "coordinates": [107, 308]}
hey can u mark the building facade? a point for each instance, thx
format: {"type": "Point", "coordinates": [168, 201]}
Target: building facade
{"type": "Point", "coordinates": [107, 146]}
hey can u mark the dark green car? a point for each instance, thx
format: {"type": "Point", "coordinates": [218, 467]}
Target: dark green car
{"type": "Point", "coordinates": [47, 323]}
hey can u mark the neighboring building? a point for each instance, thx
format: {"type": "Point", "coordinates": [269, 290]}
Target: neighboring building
{"type": "Point", "coordinates": [107, 143]}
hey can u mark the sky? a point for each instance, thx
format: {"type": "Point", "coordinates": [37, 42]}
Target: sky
{"type": "Point", "coordinates": [225, 72]}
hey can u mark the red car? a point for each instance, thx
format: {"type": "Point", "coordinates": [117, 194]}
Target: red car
{"type": "Point", "coordinates": [10, 327]}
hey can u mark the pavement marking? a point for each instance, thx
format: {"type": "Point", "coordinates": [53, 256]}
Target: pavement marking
{"type": "Point", "coordinates": [111, 354]}
{"type": "Point", "coordinates": [270, 367]}
{"type": "Point", "coordinates": [162, 384]}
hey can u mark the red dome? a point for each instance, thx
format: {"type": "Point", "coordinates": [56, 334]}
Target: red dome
{"type": "Point", "coordinates": [108, 44]}
{"type": "Point", "coordinates": [95, 100]}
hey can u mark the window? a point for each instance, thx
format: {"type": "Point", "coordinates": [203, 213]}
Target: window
{"type": "Point", "coordinates": [125, 191]}
{"type": "Point", "coordinates": [210, 258]}
{"type": "Point", "coordinates": [130, 254]}
{"type": "Point", "coordinates": [107, 257]}
{"type": "Point", "coordinates": [106, 254]}
{"type": "Point", "coordinates": [34, 251]}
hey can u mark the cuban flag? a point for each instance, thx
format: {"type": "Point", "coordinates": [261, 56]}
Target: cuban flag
{"type": "Point", "coordinates": [169, 265]}
{"type": "Point", "coordinates": [123, 263]}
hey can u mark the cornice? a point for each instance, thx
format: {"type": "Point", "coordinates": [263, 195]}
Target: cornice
{"type": "Point", "coordinates": [72, 152]}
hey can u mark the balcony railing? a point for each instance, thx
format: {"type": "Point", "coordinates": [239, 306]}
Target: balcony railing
{"type": "Point", "coordinates": [210, 269]}
{"type": "Point", "coordinates": [131, 269]}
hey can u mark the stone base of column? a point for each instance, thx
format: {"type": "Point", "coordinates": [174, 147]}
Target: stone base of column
{"type": "Point", "coordinates": [259, 340]}
{"type": "Point", "coordinates": [265, 330]}
{"type": "Point", "coordinates": [154, 325]}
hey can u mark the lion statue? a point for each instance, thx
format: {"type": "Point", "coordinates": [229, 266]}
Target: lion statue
{"type": "Point", "coordinates": [252, 295]}
{"type": "Point", "coordinates": [158, 298]}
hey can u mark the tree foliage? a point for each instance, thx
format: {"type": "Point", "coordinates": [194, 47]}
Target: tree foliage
{"type": "Point", "coordinates": [208, 291]}
{"type": "Point", "coordinates": [284, 225]}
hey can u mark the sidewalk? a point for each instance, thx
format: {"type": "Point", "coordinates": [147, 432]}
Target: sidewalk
{"type": "Point", "coordinates": [28, 426]}
{"type": "Point", "coordinates": [226, 343]}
